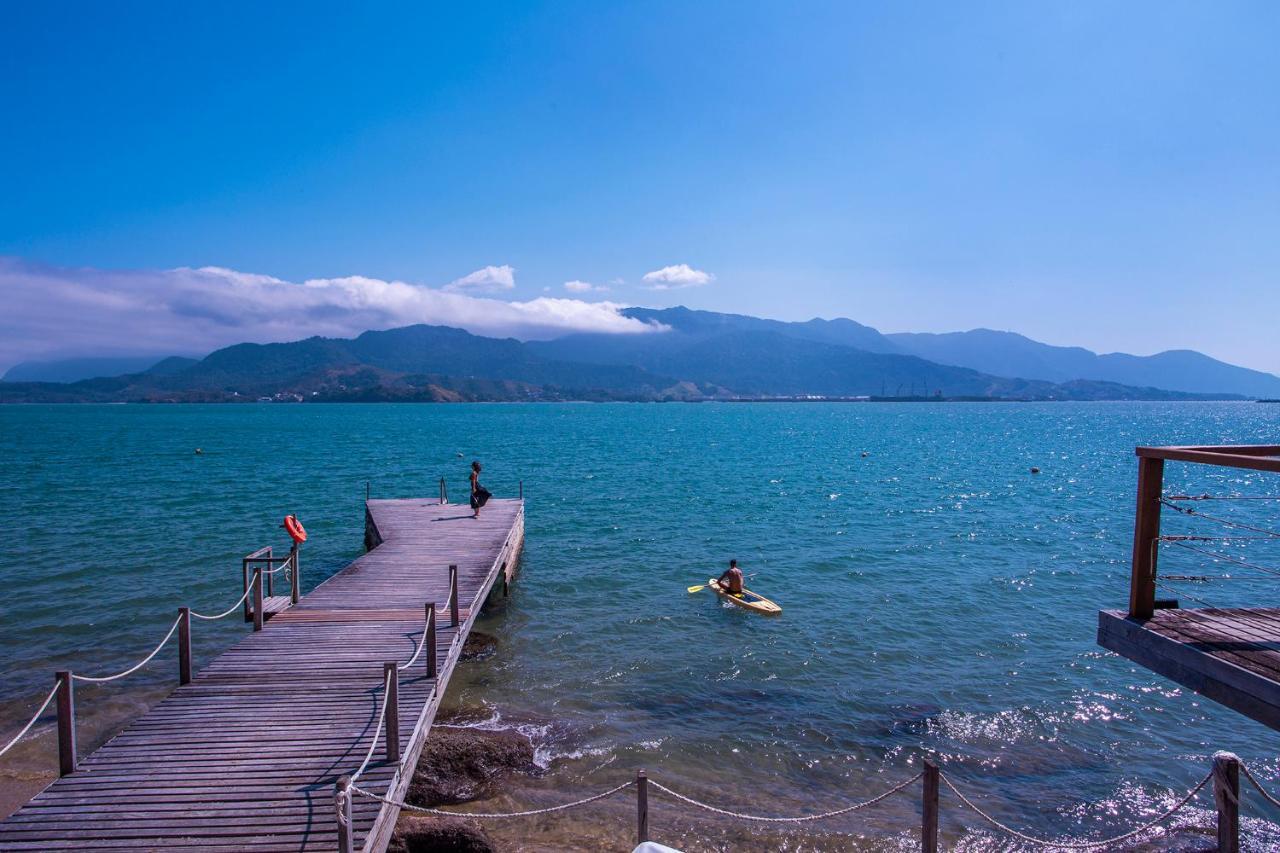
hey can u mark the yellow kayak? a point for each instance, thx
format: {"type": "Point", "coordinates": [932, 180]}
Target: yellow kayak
{"type": "Point", "coordinates": [746, 598]}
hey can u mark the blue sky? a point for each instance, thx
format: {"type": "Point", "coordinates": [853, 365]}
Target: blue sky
{"type": "Point", "coordinates": [1085, 173]}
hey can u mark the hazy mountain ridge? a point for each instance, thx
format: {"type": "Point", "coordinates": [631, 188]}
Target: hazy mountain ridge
{"type": "Point", "coordinates": [1009, 353]}
{"type": "Point", "coordinates": [702, 356]}
{"type": "Point", "coordinates": [683, 351]}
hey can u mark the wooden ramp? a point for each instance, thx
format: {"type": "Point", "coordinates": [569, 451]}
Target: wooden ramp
{"type": "Point", "coordinates": [246, 756]}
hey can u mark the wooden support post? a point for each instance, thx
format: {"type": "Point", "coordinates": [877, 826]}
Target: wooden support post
{"type": "Point", "coordinates": [430, 650]}
{"type": "Point", "coordinates": [66, 723]}
{"type": "Point", "coordinates": [453, 595]}
{"type": "Point", "coordinates": [1146, 538]}
{"type": "Point", "coordinates": [271, 578]}
{"type": "Point", "coordinates": [642, 807]}
{"type": "Point", "coordinates": [444, 493]}
{"type": "Point", "coordinates": [295, 586]}
{"type": "Point", "coordinates": [342, 805]}
{"type": "Point", "coordinates": [244, 580]}
{"type": "Point", "coordinates": [366, 491]}
{"type": "Point", "coordinates": [929, 809]}
{"type": "Point", "coordinates": [257, 598]}
{"type": "Point", "coordinates": [1226, 795]}
{"type": "Point", "coordinates": [391, 678]}
{"type": "Point", "coordinates": [522, 490]}
{"type": "Point", "coordinates": [184, 645]}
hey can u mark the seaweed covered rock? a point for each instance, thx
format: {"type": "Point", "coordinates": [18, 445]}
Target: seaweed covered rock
{"type": "Point", "coordinates": [461, 765]}
{"type": "Point", "coordinates": [439, 835]}
{"type": "Point", "coordinates": [479, 646]}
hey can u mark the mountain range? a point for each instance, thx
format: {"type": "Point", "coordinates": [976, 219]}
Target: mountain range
{"type": "Point", "coordinates": [691, 355]}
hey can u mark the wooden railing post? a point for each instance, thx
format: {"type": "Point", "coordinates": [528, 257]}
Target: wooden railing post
{"type": "Point", "coordinates": [244, 581]}
{"type": "Point", "coordinates": [342, 806]}
{"type": "Point", "coordinates": [642, 807]}
{"type": "Point", "coordinates": [430, 650]}
{"type": "Point", "coordinates": [522, 490]}
{"type": "Point", "coordinates": [1226, 795]}
{"type": "Point", "coordinates": [296, 575]}
{"type": "Point", "coordinates": [184, 645]}
{"type": "Point", "coordinates": [1146, 538]}
{"type": "Point", "coordinates": [453, 595]}
{"type": "Point", "coordinates": [391, 679]}
{"type": "Point", "coordinates": [929, 809]}
{"type": "Point", "coordinates": [444, 493]}
{"type": "Point", "coordinates": [66, 723]}
{"type": "Point", "coordinates": [257, 598]}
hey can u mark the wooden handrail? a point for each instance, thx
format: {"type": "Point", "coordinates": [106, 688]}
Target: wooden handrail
{"type": "Point", "coordinates": [1146, 521]}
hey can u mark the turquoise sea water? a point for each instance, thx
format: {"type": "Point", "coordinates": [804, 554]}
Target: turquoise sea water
{"type": "Point", "coordinates": [939, 598]}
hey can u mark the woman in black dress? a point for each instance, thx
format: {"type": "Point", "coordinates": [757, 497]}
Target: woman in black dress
{"type": "Point", "coordinates": [479, 494]}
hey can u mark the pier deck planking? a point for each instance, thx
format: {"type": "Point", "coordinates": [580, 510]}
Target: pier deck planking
{"type": "Point", "coordinates": [246, 756]}
{"type": "Point", "coordinates": [1230, 655]}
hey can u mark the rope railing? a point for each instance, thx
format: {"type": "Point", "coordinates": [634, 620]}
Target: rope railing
{"type": "Point", "coordinates": [1223, 776]}
{"type": "Point", "coordinates": [802, 818]}
{"type": "Point", "coordinates": [493, 815]}
{"type": "Point", "coordinates": [377, 732]}
{"type": "Point", "coordinates": [422, 644]}
{"type": "Point", "coordinates": [1077, 845]}
{"type": "Point", "coordinates": [228, 611]}
{"type": "Point", "coordinates": [67, 752]}
{"type": "Point", "coordinates": [1244, 768]}
{"type": "Point", "coordinates": [137, 666]}
{"type": "Point", "coordinates": [43, 705]}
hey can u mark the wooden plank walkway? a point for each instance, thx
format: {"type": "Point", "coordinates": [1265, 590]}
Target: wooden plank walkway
{"type": "Point", "coordinates": [246, 756]}
{"type": "Point", "coordinates": [1230, 655]}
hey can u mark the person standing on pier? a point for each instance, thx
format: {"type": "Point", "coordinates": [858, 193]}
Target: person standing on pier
{"type": "Point", "coordinates": [479, 494]}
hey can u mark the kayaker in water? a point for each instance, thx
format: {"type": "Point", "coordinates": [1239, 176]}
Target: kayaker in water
{"type": "Point", "coordinates": [732, 578]}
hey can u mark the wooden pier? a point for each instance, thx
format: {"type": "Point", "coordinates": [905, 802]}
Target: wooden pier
{"type": "Point", "coordinates": [1230, 655]}
{"type": "Point", "coordinates": [246, 756]}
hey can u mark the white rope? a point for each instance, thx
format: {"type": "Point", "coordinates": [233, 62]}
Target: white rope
{"type": "Point", "coordinates": [228, 611]}
{"type": "Point", "coordinates": [422, 644]}
{"type": "Point", "coordinates": [494, 815]}
{"type": "Point", "coordinates": [1078, 845]}
{"type": "Point", "coordinates": [40, 711]}
{"type": "Point", "coordinates": [382, 718]}
{"type": "Point", "coordinates": [802, 819]}
{"type": "Point", "coordinates": [137, 666]}
{"type": "Point", "coordinates": [1261, 790]}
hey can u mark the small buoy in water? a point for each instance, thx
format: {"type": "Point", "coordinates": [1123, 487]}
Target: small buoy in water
{"type": "Point", "coordinates": [199, 451]}
{"type": "Point", "coordinates": [1035, 470]}
{"type": "Point", "coordinates": [865, 454]}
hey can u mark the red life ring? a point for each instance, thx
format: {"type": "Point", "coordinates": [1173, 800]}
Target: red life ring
{"type": "Point", "coordinates": [294, 528]}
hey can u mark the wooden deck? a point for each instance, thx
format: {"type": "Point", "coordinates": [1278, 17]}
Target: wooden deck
{"type": "Point", "coordinates": [1230, 655]}
{"type": "Point", "coordinates": [245, 757]}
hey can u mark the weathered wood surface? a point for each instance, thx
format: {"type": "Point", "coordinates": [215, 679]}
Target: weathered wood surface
{"type": "Point", "coordinates": [245, 757]}
{"type": "Point", "coordinates": [1230, 655]}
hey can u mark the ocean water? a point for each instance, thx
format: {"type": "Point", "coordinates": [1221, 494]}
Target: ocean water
{"type": "Point", "coordinates": [939, 599]}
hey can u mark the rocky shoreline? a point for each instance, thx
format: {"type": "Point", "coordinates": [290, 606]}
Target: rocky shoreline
{"type": "Point", "coordinates": [459, 765]}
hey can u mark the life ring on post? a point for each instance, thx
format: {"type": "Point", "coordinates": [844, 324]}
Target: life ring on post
{"type": "Point", "coordinates": [294, 528]}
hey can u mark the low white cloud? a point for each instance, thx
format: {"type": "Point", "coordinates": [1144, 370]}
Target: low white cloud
{"type": "Point", "coordinates": [485, 280]}
{"type": "Point", "coordinates": [676, 276]}
{"type": "Point", "coordinates": [576, 286]}
{"type": "Point", "coordinates": [58, 312]}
